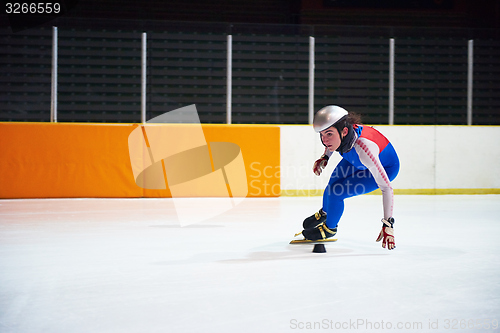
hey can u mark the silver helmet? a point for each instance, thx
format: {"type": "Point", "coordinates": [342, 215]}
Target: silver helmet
{"type": "Point", "coordinates": [328, 116]}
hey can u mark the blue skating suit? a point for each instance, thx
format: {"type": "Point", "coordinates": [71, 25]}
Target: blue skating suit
{"type": "Point", "coordinates": [372, 163]}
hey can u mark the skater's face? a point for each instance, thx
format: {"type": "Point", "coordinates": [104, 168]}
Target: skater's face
{"type": "Point", "coordinates": [331, 137]}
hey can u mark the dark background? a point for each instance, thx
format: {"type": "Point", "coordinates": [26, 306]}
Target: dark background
{"type": "Point", "coordinates": [99, 59]}
{"type": "Point", "coordinates": [414, 13]}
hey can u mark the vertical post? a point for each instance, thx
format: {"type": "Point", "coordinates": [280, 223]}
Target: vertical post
{"type": "Point", "coordinates": [470, 63]}
{"type": "Point", "coordinates": [229, 78]}
{"type": "Point", "coordinates": [53, 93]}
{"type": "Point", "coordinates": [143, 77]}
{"type": "Point", "coordinates": [311, 80]}
{"type": "Point", "coordinates": [391, 81]}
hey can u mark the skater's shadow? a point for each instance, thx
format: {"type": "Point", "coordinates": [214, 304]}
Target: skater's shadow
{"type": "Point", "coordinates": [296, 252]}
{"type": "Point", "coordinates": [192, 226]}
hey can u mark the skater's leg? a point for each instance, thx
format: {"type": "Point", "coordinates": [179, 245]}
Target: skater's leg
{"type": "Point", "coordinates": [360, 182]}
{"type": "Point", "coordinates": [346, 182]}
{"type": "Point", "coordinates": [390, 161]}
{"type": "Point", "coordinates": [342, 170]}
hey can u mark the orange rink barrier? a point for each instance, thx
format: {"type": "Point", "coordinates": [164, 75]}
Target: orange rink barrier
{"type": "Point", "coordinates": [69, 160]}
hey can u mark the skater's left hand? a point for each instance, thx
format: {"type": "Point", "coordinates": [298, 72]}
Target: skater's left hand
{"type": "Point", "coordinates": [387, 234]}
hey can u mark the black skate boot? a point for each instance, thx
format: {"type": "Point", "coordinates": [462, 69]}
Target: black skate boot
{"type": "Point", "coordinates": [320, 232]}
{"type": "Point", "coordinates": [314, 220]}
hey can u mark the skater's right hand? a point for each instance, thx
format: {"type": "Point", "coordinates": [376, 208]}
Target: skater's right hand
{"type": "Point", "coordinates": [320, 164]}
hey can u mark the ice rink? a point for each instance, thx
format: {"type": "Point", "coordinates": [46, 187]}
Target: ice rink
{"type": "Point", "coordinates": [126, 265]}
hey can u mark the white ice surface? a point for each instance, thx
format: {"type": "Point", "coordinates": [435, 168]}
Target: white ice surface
{"type": "Point", "coordinates": [126, 265]}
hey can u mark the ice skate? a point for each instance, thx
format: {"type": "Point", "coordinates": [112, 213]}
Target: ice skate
{"type": "Point", "coordinates": [320, 234]}
{"type": "Point", "coordinates": [314, 220]}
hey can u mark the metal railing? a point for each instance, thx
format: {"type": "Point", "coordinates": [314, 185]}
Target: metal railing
{"type": "Point", "coordinates": [348, 68]}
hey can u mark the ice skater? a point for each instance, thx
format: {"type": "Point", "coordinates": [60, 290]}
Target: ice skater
{"type": "Point", "coordinates": [369, 162]}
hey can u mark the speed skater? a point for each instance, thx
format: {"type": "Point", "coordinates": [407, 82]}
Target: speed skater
{"type": "Point", "coordinates": [369, 162]}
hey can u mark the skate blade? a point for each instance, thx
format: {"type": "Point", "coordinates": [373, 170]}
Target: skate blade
{"type": "Point", "coordinates": [308, 241]}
